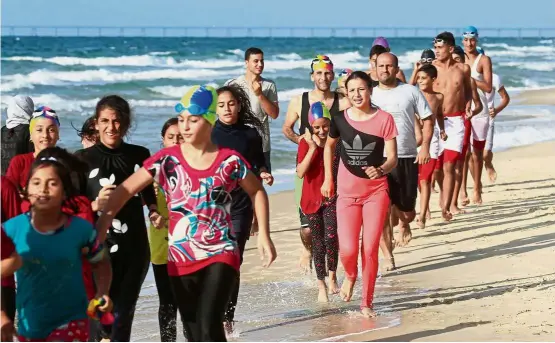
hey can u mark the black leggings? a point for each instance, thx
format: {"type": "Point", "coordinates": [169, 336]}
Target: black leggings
{"type": "Point", "coordinates": [129, 271]}
{"type": "Point", "coordinates": [167, 310]}
{"type": "Point", "coordinates": [323, 227]}
{"type": "Point", "coordinates": [202, 298]}
{"type": "Point", "coordinates": [241, 222]}
{"type": "Point", "coordinates": [8, 301]}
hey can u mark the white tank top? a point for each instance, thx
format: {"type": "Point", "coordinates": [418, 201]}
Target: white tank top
{"type": "Point", "coordinates": [483, 96]}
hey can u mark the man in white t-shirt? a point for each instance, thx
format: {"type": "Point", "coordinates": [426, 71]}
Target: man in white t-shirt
{"type": "Point", "coordinates": [262, 94]}
{"type": "Point", "coordinates": [403, 101]}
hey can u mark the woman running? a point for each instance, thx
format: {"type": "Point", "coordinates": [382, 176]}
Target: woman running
{"type": "Point", "coordinates": [319, 211]}
{"type": "Point", "coordinates": [44, 130]}
{"type": "Point", "coordinates": [110, 162]}
{"type": "Point", "coordinates": [236, 129]}
{"type": "Point", "coordinates": [15, 134]}
{"type": "Point", "coordinates": [158, 237]}
{"type": "Point", "coordinates": [366, 133]}
{"type": "Point", "coordinates": [198, 177]}
{"type": "Point", "coordinates": [51, 297]}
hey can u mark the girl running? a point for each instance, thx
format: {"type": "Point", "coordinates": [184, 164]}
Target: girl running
{"type": "Point", "coordinates": [366, 133]}
{"type": "Point", "coordinates": [51, 298]}
{"type": "Point", "coordinates": [110, 162]}
{"type": "Point", "coordinates": [44, 128]}
{"type": "Point", "coordinates": [319, 211]}
{"type": "Point", "coordinates": [167, 309]}
{"type": "Point", "coordinates": [198, 177]}
{"type": "Point", "coordinates": [236, 129]}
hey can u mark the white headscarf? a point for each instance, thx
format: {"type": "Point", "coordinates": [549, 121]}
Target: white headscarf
{"type": "Point", "coordinates": [20, 110]}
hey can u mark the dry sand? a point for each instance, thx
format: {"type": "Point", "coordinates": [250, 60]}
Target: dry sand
{"type": "Point", "coordinates": [489, 274]}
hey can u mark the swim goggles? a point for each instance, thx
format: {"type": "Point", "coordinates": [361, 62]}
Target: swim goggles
{"type": "Point", "coordinates": [199, 101]}
{"type": "Point", "coordinates": [470, 34]}
{"type": "Point", "coordinates": [439, 41]}
{"type": "Point", "coordinates": [321, 62]}
{"type": "Point", "coordinates": [193, 109]}
{"type": "Point", "coordinates": [48, 113]}
{"type": "Point", "coordinates": [426, 60]}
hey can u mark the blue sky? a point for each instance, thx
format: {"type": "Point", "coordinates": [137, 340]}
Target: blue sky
{"type": "Point", "coordinates": [244, 13]}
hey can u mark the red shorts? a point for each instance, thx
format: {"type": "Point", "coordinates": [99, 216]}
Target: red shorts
{"type": "Point", "coordinates": [74, 331]}
{"type": "Point", "coordinates": [425, 171]}
{"type": "Point", "coordinates": [439, 162]}
{"type": "Point", "coordinates": [466, 140]}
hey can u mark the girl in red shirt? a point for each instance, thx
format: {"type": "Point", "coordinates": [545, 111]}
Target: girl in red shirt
{"type": "Point", "coordinates": [320, 211]}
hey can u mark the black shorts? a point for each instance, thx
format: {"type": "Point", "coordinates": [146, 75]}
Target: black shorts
{"type": "Point", "coordinates": [403, 184]}
{"type": "Point", "coordinates": [303, 218]}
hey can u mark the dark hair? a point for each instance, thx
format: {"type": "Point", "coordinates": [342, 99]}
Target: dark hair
{"type": "Point", "coordinates": [246, 115]}
{"type": "Point", "coordinates": [359, 75]}
{"type": "Point", "coordinates": [120, 106]}
{"type": "Point", "coordinates": [429, 69]}
{"type": "Point", "coordinates": [447, 38]}
{"type": "Point", "coordinates": [67, 166]}
{"type": "Point", "coordinates": [170, 122]}
{"type": "Point", "coordinates": [460, 52]}
{"type": "Point", "coordinates": [252, 51]}
{"type": "Point", "coordinates": [377, 50]}
{"type": "Point", "coordinates": [88, 130]}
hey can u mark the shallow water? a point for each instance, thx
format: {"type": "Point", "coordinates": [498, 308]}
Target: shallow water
{"type": "Point", "coordinates": [287, 311]}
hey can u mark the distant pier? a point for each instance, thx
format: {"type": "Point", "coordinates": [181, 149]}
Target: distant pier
{"type": "Point", "coordinates": [229, 31]}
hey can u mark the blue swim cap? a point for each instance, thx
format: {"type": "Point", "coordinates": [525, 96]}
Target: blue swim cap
{"type": "Point", "coordinates": [480, 50]}
{"type": "Point", "coordinates": [470, 32]}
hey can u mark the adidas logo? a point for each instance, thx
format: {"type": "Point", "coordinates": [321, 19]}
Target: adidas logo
{"type": "Point", "coordinates": [357, 153]}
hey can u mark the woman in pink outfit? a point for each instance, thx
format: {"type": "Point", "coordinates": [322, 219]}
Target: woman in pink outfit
{"type": "Point", "coordinates": [367, 134]}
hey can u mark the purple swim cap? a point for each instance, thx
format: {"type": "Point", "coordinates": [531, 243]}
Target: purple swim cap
{"type": "Point", "coordinates": [381, 41]}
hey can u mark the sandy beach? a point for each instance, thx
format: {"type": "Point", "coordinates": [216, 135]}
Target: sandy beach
{"type": "Point", "coordinates": [486, 276]}
{"type": "Point", "coordinates": [537, 97]}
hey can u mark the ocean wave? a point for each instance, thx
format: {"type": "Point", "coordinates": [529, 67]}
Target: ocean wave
{"type": "Point", "coordinates": [175, 91]}
{"type": "Point", "coordinates": [546, 41]}
{"type": "Point", "coordinates": [530, 65]}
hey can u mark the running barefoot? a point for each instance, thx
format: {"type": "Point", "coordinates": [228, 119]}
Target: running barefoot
{"type": "Point", "coordinates": [464, 199]}
{"type": "Point", "coordinates": [305, 262]}
{"type": "Point", "coordinates": [428, 214]}
{"type": "Point", "coordinates": [421, 222]}
{"type": "Point", "coordinates": [368, 312]}
{"type": "Point", "coordinates": [346, 292]}
{"type": "Point", "coordinates": [404, 236]}
{"type": "Point", "coordinates": [391, 265]}
{"type": "Point", "coordinates": [492, 174]}
{"type": "Point", "coordinates": [322, 292]}
{"type": "Point", "coordinates": [334, 286]}
{"type": "Point", "coordinates": [455, 210]}
{"type": "Point", "coordinates": [477, 197]}
{"type": "Point", "coordinates": [447, 216]}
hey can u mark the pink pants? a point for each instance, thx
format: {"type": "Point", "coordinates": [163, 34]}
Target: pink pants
{"type": "Point", "coordinates": [369, 213]}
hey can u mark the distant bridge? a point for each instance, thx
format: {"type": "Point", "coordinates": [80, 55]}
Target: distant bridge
{"type": "Point", "coordinates": [261, 31]}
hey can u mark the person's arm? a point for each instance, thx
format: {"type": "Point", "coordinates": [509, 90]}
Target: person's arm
{"type": "Point", "coordinates": [305, 154]}
{"type": "Point", "coordinates": [270, 104]}
{"type": "Point", "coordinates": [414, 73]}
{"type": "Point", "coordinates": [487, 84]}
{"type": "Point", "coordinates": [478, 106]}
{"type": "Point", "coordinates": [11, 264]}
{"type": "Point", "coordinates": [329, 149]}
{"type": "Point", "coordinates": [439, 117]}
{"type": "Point", "coordinates": [423, 109]}
{"type": "Point", "coordinates": [505, 99]}
{"type": "Point", "coordinates": [257, 153]}
{"type": "Point", "coordinates": [259, 199]}
{"type": "Point", "coordinates": [401, 76]}
{"type": "Point", "coordinates": [391, 160]}
{"type": "Point", "coordinates": [418, 131]}
{"type": "Point", "coordinates": [98, 256]}
{"type": "Point", "coordinates": [148, 194]}
{"type": "Point", "coordinates": [290, 119]}
{"type": "Point", "coordinates": [132, 185]}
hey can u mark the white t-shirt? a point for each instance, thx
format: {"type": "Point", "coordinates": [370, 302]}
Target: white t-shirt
{"type": "Point", "coordinates": [403, 102]}
{"type": "Point", "coordinates": [270, 92]}
{"type": "Point", "coordinates": [496, 86]}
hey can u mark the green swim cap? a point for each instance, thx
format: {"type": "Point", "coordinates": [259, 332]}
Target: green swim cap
{"type": "Point", "coordinates": [199, 101]}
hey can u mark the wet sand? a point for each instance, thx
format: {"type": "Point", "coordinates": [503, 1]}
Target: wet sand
{"type": "Point", "coordinates": [487, 275]}
{"type": "Point", "coordinates": [537, 97]}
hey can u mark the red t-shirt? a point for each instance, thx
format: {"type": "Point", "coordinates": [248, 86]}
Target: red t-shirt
{"type": "Point", "coordinates": [10, 208]}
{"type": "Point", "coordinates": [312, 198]}
{"type": "Point", "coordinates": [19, 169]}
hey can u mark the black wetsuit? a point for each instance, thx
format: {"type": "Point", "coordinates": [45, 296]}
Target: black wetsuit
{"type": "Point", "coordinates": [127, 238]}
{"type": "Point", "coordinates": [246, 141]}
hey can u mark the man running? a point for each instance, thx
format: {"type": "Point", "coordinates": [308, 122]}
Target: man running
{"type": "Point", "coordinates": [322, 74]}
{"type": "Point", "coordinates": [454, 82]}
{"type": "Point", "coordinates": [481, 72]}
{"type": "Point", "coordinates": [403, 102]}
{"type": "Point", "coordinates": [379, 46]}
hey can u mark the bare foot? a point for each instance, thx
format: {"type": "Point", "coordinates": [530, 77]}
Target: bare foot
{"type": "Point", "coordinates": [421, 222]}
{"type": "Point", "coordinates": [346, 292]}
{"type": "Point", "coordinates": [447, 216]}
{"type": "Point", "coordinates": [334, 286]}
{"type": "Point", "coordinates": [428, 214]}
{"type": "Point", "coordinates": [403, 237]}
{"type": "Point", "coordinates": [492, 174]}
{"type": "Point", "coordinates": [391, 265]}
{"type": "Point", "coordinates": [368, 312]}
{"type": "Point", "coordinates": [434, 190]}
{"type": "Point", "coordinates": [455, 210]}
{"type": "Point", "coordinates": [305, 262]}
{"type": "Point", "coordinates": [464, 200]}
{"type": "Point", "coordinates": [477, 197]}
{"type": "Point", "coordinates": [323, 295]}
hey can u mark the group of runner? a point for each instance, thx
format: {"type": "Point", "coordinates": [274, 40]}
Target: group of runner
{"type": "Point", "coordinates": [364, 150]}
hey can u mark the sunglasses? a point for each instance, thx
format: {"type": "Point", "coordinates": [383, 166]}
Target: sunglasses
{"type": "Point", "coordinates": [193, 109]}
{"type": "Point", "coordinates": [48, 113]}
{"type": "Point", "coordinates": [426, 60]}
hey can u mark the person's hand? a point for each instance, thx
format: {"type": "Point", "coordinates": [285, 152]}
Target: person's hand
{"type": "Point", "coordinates": [443, 135]}
{"type": "Point", "coordinates": [156, 219]}
{"type": "Point", "coordinates": [7, 330]}
{"type": "Point", "coordinates": [308, 139]}
{"type": "Point", "coordinates": [257, 87]}
{"type": "Point", "coordinates": [108, 305]}
{"type": "Point", "coordinates": [103, 196]}
{"type": "Point", "coordinates": [327, 189]}
{"type": "Point", "coordinates": [417, 65]}
{"type": "Point", "coordinates": [267, 178]}
{"type": "Point", "coordinates": [423, 156]}
{"type": "Point", "coordinates": [468, 111]}
{"type": "Point", "coordinates": [266, 249]}
{"type": "Point", "coordinates": [492, 112]}
{"type": "Point", "coordinates": [156, 188]}
{"type": "Point", "coordinates": [373, 172]}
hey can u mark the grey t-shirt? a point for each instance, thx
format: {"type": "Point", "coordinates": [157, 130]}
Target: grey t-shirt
{"type": "Point", "coordinates": [270, 92]}
{"type": "Point", "coordinates": [403, 102]}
